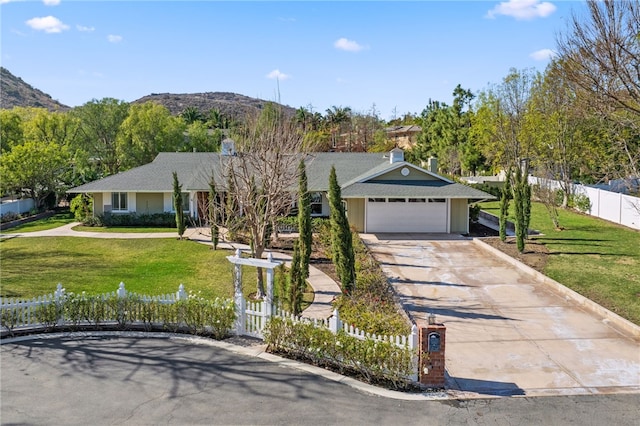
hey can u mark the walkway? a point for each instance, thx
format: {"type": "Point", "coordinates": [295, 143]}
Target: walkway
{"type": "Point", "coordinates": [325, 289]}
{"type": "Point", "coordinates": [508, 332]}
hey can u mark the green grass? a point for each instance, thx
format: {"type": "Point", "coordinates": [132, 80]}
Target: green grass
{"type": "Point", "coordinates": [54, 221]}
{"type": "Point", "coordinates": [31, 267]}
{"type": "Point", "coordinates": [596, 258]}
{"type": "Point", "coordinates": [122, 229]}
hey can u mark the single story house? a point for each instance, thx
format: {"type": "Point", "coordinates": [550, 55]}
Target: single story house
{"type": "Point", "coordinates": [381, 191]}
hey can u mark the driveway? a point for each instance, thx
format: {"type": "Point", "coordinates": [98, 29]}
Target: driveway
{"type": "Point", "coordinates": [508, 333]}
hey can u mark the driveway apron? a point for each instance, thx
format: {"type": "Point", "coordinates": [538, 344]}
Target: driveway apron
{"type": "Point", "coordinates": [507, 332]}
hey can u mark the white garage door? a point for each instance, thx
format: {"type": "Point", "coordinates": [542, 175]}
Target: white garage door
{"type": "Point", "coordinates": [406, 215]}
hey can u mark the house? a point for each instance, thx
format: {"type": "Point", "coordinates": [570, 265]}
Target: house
{"type": "Point", "coordinates": [382, 192]}
{"type": "Point", "coordinates": [404, 137]}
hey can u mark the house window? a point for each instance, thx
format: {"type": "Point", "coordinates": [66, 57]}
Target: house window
{"type": "Point", "coordinates": [417, 200]}
{"type": "Point", "coordinates": [316, 203]}
{"type": "Point", "coordinates": [377, 200]}
{"type": "Point", "coordinates": [397, 200]}
{"type": "Point", "coordinates": [437, 200]}
{"type": "Point", "coordinates": [119, 201]}
{"type": "Point", "coordinates": [185, 202]}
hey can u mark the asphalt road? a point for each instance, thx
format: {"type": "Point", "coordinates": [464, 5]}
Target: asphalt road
{"type": "Point", "coordinates": [80, 379]}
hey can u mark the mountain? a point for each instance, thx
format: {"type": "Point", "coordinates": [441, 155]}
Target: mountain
{"type": "Point", "coordinates": [15, 92]}
{"type": "Point", "coordinates": [230, 105]}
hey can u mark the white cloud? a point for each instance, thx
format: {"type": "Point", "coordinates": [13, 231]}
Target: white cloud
{"type": "Point", "coordinates": [523, 9]}
{"type": "Point", "coordinates": [114, 38]}
{"type": "Point", "coordinates": [51, 2]}
{"type": "Point", "coordinates": [276, 74]}
{"type": "Point", "coordinates": [543, 54]}
{"type": "Point", "coordinates": [84, 29]}
{"type": "Point", "coordinates": [348, 45]}
{"type": "Point", "coordinates": [48, 24]}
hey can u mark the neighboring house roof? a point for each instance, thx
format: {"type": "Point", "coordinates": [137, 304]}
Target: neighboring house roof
{"type": "Point", "coordinates": [356, 172]}
{"type": "Point", "coordinates": [403, 129]}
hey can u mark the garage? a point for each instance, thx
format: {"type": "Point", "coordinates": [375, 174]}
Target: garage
{"type": "Point", "coordinates": [406, 215]}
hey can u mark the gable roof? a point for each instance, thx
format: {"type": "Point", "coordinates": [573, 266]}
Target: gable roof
{"type": "Point", "coordinates": [355, 171]}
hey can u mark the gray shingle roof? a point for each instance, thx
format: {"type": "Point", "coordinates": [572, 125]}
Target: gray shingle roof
{"type": "Point", "coordinates": [412, 188]}
{"type": "Point", "coordinates": [194, 171]}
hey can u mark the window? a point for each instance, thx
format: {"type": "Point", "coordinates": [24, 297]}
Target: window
{"type": "Point", "coordinates": [397, 200]}
{"type": "Point", "coordinates": [437, 200]}
{"type": "Point", "coordinates": [377, 200]}
{"type": "Point", "coordinates": [119, 201]}
{"type": "Point", "coordinates": [417, 200]}
{"type": "Point", "coordinates": [185, 202]}
{"type": "Point", "coordinates": [316, 203]}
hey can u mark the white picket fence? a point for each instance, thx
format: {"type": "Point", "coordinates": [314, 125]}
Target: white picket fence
{"type": "Point", "coordinates": [612, 206]}
{"type": "Point", "coordinates": [251, 318]}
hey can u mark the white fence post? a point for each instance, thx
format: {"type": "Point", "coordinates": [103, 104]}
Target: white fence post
{"type": "Point", "coordinates": [268, 301]}
{"type": "Point", "coordinates": [59, 293]}
{"type": "Point", "coordinates": [122, 293]}
{"type": "Point", "coordinates": [181, 294]}
{"type": "Point", "coordinates": [334, 322]}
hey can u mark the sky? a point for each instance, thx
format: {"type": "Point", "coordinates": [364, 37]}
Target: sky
{"type": "Point", "coordinates": [390, 57]}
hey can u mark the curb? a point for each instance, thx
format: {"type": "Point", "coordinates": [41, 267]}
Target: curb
{"type": "Point", "coordinates": [257, 351]}
{"type": "Point", "coordinates": [610, 318]}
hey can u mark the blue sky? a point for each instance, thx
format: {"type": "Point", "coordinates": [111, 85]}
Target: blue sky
{"type": "Point", "coordinates": [396, 55]}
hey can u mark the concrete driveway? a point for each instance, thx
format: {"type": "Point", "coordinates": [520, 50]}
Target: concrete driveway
{"type": "Point", "coordinates": [508, 333]}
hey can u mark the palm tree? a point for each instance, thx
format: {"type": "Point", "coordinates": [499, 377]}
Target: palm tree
{"type": "Point", "coordinates": [191, 114]}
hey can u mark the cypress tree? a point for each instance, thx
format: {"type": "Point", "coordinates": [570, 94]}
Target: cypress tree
{"type": "Point", "coordinates": [177, 205]}
{"type": "Point", "coordinates": [295, 283]}
{"type": "Point", "coordinates": [213, 220]}
{"type": "Point", "coordinates": [521, 192]}
{"type": "Point", "coordinates": [341, 239]}
{"type": "Point", "coordinates": [304, 220]}
{"type": "Point", "coordinates": [505, 196]}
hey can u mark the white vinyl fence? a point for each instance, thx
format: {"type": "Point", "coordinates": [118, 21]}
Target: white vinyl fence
{"type": "Point", "coordinates": [16, 206]}
{"type": "Point", "coordinates": [612, 206]}
{"type": "Point", "coordinates": [17, 314]}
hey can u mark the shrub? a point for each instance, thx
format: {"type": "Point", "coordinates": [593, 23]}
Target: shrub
{"type": "Point", "coordinates": [581, 203]}
{"type": "Point", "coordinates": [82, 207]}
{"type": "Point", "coordinates": [374, 361]}
{"type": "Point", "coordinates": [164, 220]}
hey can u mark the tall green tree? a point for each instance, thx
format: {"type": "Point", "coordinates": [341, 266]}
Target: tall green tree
{"type": "Point", "coordinates": [148, 130]}
{"type": "Point", "coordinates": [341, 238]}
{"type": "Point", "coordinates": [11, 131]}
{"type": "Point", "coordinates": [96, 147]}
{"type": "Point", "coordinates": [522, 205]}
{"type": "Point", "coordinates": [304, 220]}
{"type": "Point", "coordinates": [295, 282]}
{"type": "Point", "coordinates": [202, 139]}
{"type": "Point", "coordinates": [177, 205]}
{"type": "Point", "coordinates": [505, 196]}
{"type": "Point", "coordinates": [212, 213]}
{"type": "Point", "coordinates": [33, 169]}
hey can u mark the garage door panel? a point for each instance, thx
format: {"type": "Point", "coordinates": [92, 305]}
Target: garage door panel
{"type": "Point", "coordinates": [406, 217]}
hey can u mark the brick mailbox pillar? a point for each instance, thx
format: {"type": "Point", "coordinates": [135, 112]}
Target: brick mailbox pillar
{"type": "Point", "coordinates": [432, 349]}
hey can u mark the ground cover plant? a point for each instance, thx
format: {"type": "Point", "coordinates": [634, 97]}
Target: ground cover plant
{"type": "Point", "coordinates": [593, 257]}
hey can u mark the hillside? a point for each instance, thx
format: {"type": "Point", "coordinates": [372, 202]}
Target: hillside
{"type": "Point", "coordinates": [231, 105]}
{"type": "Point", "coordinates": [15, 92]}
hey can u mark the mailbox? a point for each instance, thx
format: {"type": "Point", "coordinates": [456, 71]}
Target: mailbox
{"type": "Point", "coordinates": [434, 342]}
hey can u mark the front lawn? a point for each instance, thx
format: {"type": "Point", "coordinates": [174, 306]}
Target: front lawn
{"type": "Point", "coordinates": [54, 221]}
{"type": "Point", "coordinates": [32, 267]}
{"type": "Point", "coordinates": [596, 258]}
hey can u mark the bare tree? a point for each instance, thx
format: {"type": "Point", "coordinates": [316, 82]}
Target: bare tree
{"type": "Point", "coordinates": [600, 53]}
{"type": "Point", "coordinates": [263, 173]}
